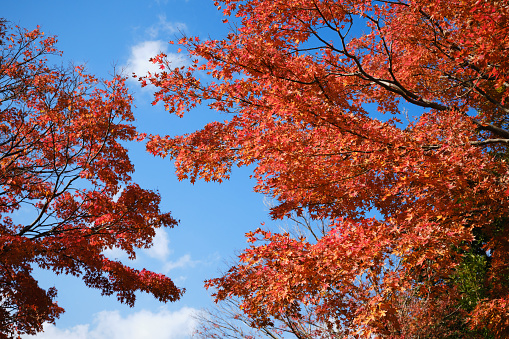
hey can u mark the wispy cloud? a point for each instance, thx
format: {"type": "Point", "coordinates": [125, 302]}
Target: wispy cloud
{"type": "Point", "coordinates": [139, 325]}
{"type": "Point", "coordinates": [115, 253]}
{"type": "Point", "coordinates": [164, 27]}
{"type": "Point", "coordinates": [184, 261]}
{"type": "Point", "coordinates": [138, 61]}
{"type": "Point", "coordinates": [155, 41]}
{"type": "Point", "coordinates": [160, 250]}
{"type": "Point", "coordinates": [160, 246]}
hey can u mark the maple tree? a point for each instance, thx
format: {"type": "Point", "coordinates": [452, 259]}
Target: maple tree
{"type": "Point", "coordinates": [318, 94]}
{"type": "Point", "coordinates": [66, 190]}
{"type": "Point", "coordinates": [226, 319]}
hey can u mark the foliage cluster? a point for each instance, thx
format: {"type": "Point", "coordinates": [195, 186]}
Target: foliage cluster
{"type": "Point", "coordinates": [300, 82]}
{"type": "Point", "coordinates": [66, 192]}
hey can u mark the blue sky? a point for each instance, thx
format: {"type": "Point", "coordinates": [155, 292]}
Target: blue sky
{"type": "Point", "coordinates": [213, 218]}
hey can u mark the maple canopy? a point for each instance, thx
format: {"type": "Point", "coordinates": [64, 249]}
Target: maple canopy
{"type": "Point", "coordinates": [226, 318]}
{"type": "Point", "coordinates": [66, 191]}
{"type": "Point", "coordinates": [390, 119]}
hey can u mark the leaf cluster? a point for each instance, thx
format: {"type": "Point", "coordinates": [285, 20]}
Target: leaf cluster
{"type": "Point", "coordinates": [66, 193]}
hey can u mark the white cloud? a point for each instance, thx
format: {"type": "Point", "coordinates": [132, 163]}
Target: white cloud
{"type": "Point", "coordinates": [138, 61]}
{"type": "Point", "coordinates": [141, 53]}
{"type": "Point", "coordinates": [140, 325]}
{"type": "Point", "coordinates": [50, 331]}
{"type": "Point", "coordinates": [165, 27]}
{"type": "Point", "coordinates": [159, 250]}
{"type": "Point", "coordinates": [183, 261]}
{"type": "Point", "coordinates": [156, 39]}
{"type": "Point", "coordinates": [118, 194]}
{"type": "Point", "coordinates": [115, 253]}
{"type": "Point", "coordinates": [160, 246]}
